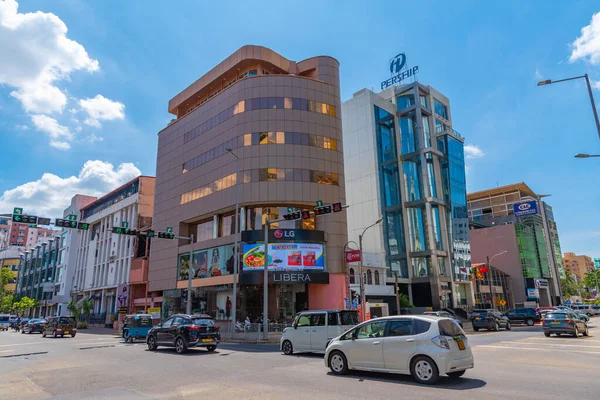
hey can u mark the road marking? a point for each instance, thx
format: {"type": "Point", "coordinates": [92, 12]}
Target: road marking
{"type": "Point", "coordinates": [544, 339]}
{"type": "Point", "coordinates": [24, 354]}
{"type": "Point", "coordinates": [537, 349]}
{"type": "Point", "coordinates": [20, 344]}
{"type": "Point", "coordinates": [5, 351]}
{"type": "Point", "coordinates": [557, 344]}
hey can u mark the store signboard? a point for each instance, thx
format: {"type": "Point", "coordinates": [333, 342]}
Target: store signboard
{"type": "Point", "coordinates": [284, 257]}
{"type": "Point", "coordinates": [123, 295]}
{"type": "Point", "coordinates": [281, 277]}
{"type": "Point", "coordinates": [533, 293]}
{"type": "Point", "coordinates": [154, 312]}
{"type": "Point", "coordinates": [525, 208]}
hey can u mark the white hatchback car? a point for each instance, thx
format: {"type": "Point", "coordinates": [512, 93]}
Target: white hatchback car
{"type": "Point", "coordinates": [422, 346]}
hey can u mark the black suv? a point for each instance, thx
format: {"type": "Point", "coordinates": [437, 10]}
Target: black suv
{"type": "Point", "coordinates": [523, 315]}
{"type": "Point", "coordinates": [183, 331]}
{"type": "Point", "coordinates": [490, 319]}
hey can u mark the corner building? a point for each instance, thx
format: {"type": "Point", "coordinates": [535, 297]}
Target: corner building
{"type": "Point", "coordinates": [281, 118]}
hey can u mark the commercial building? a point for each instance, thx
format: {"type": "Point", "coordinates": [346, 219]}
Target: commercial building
{"type": "Point", "coordinates": [578, 265]}
{"type": "Point", "coordinates": [281, 120]}
{"type": "Point", "coordinates": [523, 245]}
{"type": "Point", "coordinates": [405, 164]}
{"type": "Point", "coordinates": [67, 256]}
{"type": "Point", "coordinates": [104, 259]}
{"type": "Point", "coordinates": [10, 258]}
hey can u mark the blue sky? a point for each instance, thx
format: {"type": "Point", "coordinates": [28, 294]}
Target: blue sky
{"type": "Point", "coordinates": [125, 60]}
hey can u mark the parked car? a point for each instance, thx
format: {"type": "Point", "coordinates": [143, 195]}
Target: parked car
{"type": "Point", "coordinates": [34, 325]}
{"type": "Point", "coordinates": [444, 314]}
{"type": "Point", "coordinates": [423, 346]}
{"type": "Point", "coordinates": [489, 319]}
{"type": "Point", "coordinates": [311, 331]}
{"type": "Point", "coordinates": [580, 315]}
{"type": "Point", "coordinates": [564, 323]}
{"type": "Point", "coordinates": [183, 331]}
{"type": "Point", "coordinates": [587, 309]}
{"type": "Point", "coordinates": [527, 316]}
{"type": "Point", "coordinates": [60, 326]}
{"type": "Point", "coordinates": [4, 322]}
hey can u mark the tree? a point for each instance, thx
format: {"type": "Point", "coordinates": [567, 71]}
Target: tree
{"type": "Point", "coordinates": [6, 297]}
{"type": "Point", "coordinates": [72, 307]}
{"type": "Point", "coordinates": [86, 308]}
{"type": "Point", "coordinates": [592, 278]}
{"type": "Point", "coordinates": [404, 301]}
{"type": "Point", "coordinates": [569, 287]}
{"type": "Point", "coordinates": [25, 304]}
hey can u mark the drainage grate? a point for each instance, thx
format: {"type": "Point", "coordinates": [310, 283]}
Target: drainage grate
{"type": "Point", "coordinates": [24, 354]}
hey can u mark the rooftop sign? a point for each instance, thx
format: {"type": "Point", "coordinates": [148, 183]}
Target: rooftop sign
{"type": "Point", "coordinates": [399, 71]}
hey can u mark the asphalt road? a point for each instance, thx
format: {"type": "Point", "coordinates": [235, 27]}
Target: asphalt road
{"type": "Point", "coordinates": [520, 364]}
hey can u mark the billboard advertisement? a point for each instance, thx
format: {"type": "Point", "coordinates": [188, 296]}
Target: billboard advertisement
{"type": "Point", "coordinates": [216, 261]}
{"type": "Point", "coordinates": [284, 257]}
{"type": "Point", "coordinates": [525, 208]}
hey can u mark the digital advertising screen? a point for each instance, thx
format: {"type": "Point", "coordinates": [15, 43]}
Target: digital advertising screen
{"type": "Point", "coordinates": [283, 256]}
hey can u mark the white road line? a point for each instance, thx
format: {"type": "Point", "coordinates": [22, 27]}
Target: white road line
{"type": "Point", "coordinates": [5, 351]}
{"type": "Point", "coordinates": [545, 339]}
{"type": "Point", "coordinates": [20, 344]}
{"type": "Point", "coordinates": [557, 344]}
{"type": "Point", "coordinates": [538, 349]}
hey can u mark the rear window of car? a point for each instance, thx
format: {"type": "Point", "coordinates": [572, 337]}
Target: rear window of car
{"type": "Point", "coordinates": [349, 317]}
{"type": "Point", "coordinates": [450, 328]}
{"type": "Point", "coordinates": [4, 318]}
{"type": "Point", "coordinates": [552, 315]}
{"type": "Point", "coordinates": [480, 313]}
{"type": "Point", "coordinates": [65, 320]}
{"type": "Point", "coordinates": [203, 322]}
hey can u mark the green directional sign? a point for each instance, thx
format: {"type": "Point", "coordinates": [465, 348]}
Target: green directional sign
{"type": "Point", "coordinates": [72, 217]}
{"type": "Point", "coordinates": [319, 203]}
{"type": "Point", "coordinates": [150, 233]}
{"type": "Point", "coordinates": [16, 218]}
{"type": "Point", "coordinates": [17, 211]}
{"type": "Point", "coordinates": [124, 224]}
{"type": "Point", "coordinates": [290, 209]}
{"type": "Point", "coordinates": [169, 229]}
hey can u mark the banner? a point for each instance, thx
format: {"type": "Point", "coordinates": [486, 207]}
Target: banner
{"type": "Point", "coordinates": [352, 256]}
{"type": "Point", "coordinates": [284, 257]}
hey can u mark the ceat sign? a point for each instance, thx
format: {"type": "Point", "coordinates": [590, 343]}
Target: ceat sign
{"type": "Point", "coordinates": [353, 256]}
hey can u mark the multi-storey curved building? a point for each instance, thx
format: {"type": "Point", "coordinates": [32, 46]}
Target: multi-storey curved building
{"type": "Point", "coordinates": [281, 119]}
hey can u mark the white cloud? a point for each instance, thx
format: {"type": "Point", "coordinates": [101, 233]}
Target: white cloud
{"type": "Point", "coordinates": [101, 109]}
{"type": "Point", "coordinates": [587, 46]}
{"type": "Point", "coordinates": [51, 194]}
{"type": "Point", "coordinates": [40, 55]}
{"type": "Point", "coordinates": [595, 84]}
{"type": "Point", "coordinates": [473, 151]}
{"type": "Point", "coordinates": [538, 75]}
{"type": "Point", "coordinates": [60, 135]}
{"type": "Point", "coordinates": [21, 127]}
{"type": "Point", "coordinates": [93, 138]}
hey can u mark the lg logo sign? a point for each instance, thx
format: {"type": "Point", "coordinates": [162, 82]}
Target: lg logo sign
{"type": "Point", "coordinates": [397, 63]}
{"type": "Point", "coordinates": [280, 233]}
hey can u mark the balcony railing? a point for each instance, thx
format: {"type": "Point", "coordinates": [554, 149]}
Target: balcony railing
{"type": "Point", "coordinates": [446, 130]}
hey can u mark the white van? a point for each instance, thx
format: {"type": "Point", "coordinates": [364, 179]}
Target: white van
{"type": "Point", "coordinates": [4, 322]}
{"type": "Point", "coordinates": [311, 331]}
{"type": "Point", "coordinates": [587, 309]}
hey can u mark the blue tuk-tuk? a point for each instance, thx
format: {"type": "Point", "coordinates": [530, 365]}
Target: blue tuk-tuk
{"type": "Point", "coordinates": [136, 327]}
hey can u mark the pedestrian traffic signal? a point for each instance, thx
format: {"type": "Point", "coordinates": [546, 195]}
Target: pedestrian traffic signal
{"type": "Point", "coordinates": [323, 210]}
{"type": "Point", "coordinates": [337, 207]}
{"type": "Point", "coordinates": [65, 223]}
{"type": "Point", "coordinates": [125, 231]}
{"type": "Point", "coordinates": [306, 214]}
{"type": "Point", "coordinates": [293, 216]}
{"type": "Point", "coordinates": [83, 226]}
{"type": "Point", "coordinates": [166, 235]}
{"type": "Point", "coordinates": [24, 219]}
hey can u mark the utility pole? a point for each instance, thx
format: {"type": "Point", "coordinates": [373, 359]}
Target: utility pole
{"type": "Point", "coordinates": [397, 293]}
{"type": "Point", "coordinates": [188, 306]}
{"type": "Point", "coordinates": [490, 281]}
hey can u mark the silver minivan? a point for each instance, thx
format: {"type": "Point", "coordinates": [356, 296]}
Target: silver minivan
{"type": "Point", "coordinates": [587, 309]}
{"type": "Point", "coordinates": [311, 331]}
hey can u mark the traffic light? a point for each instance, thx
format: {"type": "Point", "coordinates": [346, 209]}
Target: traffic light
{"type": "Point", "coordinates": [150, 233]}
{"type": "Point", "coordinates": [125, 231]}
{"type": "Point", "coordinates": [65, 223]}
{"type": "Point", "coordinates": [83, 226]}
{"type": "Point", "coordinates": [306, 214]}
{"type": "Point", "coordinates": [337, 207]}
{"type": "Point", "coordinates": [323, 210]}
{"type": "Point", "coordinates": [165, 235]}
{"type": "Point", "coordinates": [24, 219]}
{"type": "Point", "coordinates": [293, 216]}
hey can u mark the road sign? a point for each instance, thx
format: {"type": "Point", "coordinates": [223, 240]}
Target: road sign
{"type": "Point", "coordinates": [43, 221]}
{"type": "Point", "coordinates": [319, 203]}
{"type": "Point", "coordinates": [72, 217]}
{"type": "Point", "coordinates": [290, 210]}
{"type": "Point", "coordinates": [17, 211]}
{"type": "Point", "coordinates": [124, 224]}
{"type": "Point", "coordinates": [169, 229]}
{"type": "Point", "coordinates": [502, 302]}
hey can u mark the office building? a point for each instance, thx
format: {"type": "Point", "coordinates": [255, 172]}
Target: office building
{"type": "Point", "coordinates": [67, 255]}
{"type": "Point", "coordinates": [578, 265]}
{"type": "Point", "coordinates": [10, 258]}
{"type": "Point", "coordinates": [104, 259]}
{"type": "Point", "coordinates": [405, 164]}
{"type": "Point", "coordinates": [281, 119]}
{"type": "Point", "coordinates": [528, 242]}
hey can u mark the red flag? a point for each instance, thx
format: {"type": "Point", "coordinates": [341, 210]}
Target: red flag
{"type": "Point", "coordinates": [483, 270]}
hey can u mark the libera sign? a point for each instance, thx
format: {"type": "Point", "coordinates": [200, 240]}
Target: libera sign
{"type": "Point", "coordinates": [398, 71]}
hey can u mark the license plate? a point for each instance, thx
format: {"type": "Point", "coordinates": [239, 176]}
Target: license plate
{"type": "Point", "coordinates": [477, 319]}
{"type": "Point", "coordinates": [206, 340]}
{"type": "Point", "coordinates": [461, 344]}
{"type": "Point", "coordinates": [66, 332]}
{"type": "Point", "coordinates": [555, 323]}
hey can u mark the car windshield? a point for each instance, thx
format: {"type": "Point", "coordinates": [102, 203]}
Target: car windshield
{"type": "Point", "coordinates": [349, 317]}
{"type": "Point", "coordinates": [203, 322]}
{"type": "Point", "coordinates": [552, 315]}
{"type": "Point", "coordinates": [450, 328]}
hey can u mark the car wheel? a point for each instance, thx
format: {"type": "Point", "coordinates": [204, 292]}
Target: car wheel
{"type": "Point", "coordinates": [508, 326]}
{"type": "Point", "coordinates": [73, 334]}
{"type": "Point", "coordinates": [338, 363]}
{"type": "Point", "coordinates": [586, 332]}
{"type": "Point", "coordinates": [424, 370]}
{"type": "Point", "coordinates": [180, 346]}
{"type": "Point", "coordinates": [457, 374]}
{"type": "Point", "coordinates": [211, 348]}
{"type": "Point", "coordinates": [497, 327]}
{"type": "Point", "coordinates": [151, 343]}
{"type": "Point", "coordinates": [529, 322]}
{"type": "Point", "coordinates": [22, 331]}
{"type": "Point", "coordinates": [576, 332]}
{"type": "Point", "coordinates": [547, 334]}
{"type": "Point", "coordinates": [54, 335]}
{"type": "Point", "coordinates": [43, 333]}
{"type": "Point", "coordinates": [476, 329]}
{"type": "Point", "coordinates": [30, 332]}
{"type": "Point", "coordinates": [62, 335]}
{"type": "Point", "coordinates": [287, 348]}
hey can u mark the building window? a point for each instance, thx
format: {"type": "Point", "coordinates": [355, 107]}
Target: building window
{"type": "Point", "coordinates": [377, 277]}
{"type": "Point", "coordinates": [412, 180]}
{"type": "Point", "coordinates": [405, 101]}
{"type": "Point", "coordinates": [423, 100]}
{"type": "Point", "coordinates": [369, 277]}
{"type": "Point", "coordinates": [417, 227]}
{"type": "Point", "coordinates": [408, 129]}
{"type": "Point", "coordinates": [426, 132]}
{"type": "Point", "coordinates": [204, 231]}
{"type": "Point", "coordinates": [352, 279]}
{"type": "Point", "coordinates": [440, 109]}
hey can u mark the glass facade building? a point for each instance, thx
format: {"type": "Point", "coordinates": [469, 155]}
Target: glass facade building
{"type": "Point", "coordinates": [401, 143]}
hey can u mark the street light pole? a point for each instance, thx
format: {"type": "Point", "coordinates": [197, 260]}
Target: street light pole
{"type": "Point", "coordinates": [188, 306]}
{"type": "Point", "coordinates": [363, 296]}
{"type": "Point", "coordinates": [236, 251]}
{"type": "Point", "coordinates": [265, 320]}
{"type": "Point", "coordinates": [589, 87]}
{"type": "Point", "coordinates": [348, 288]}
